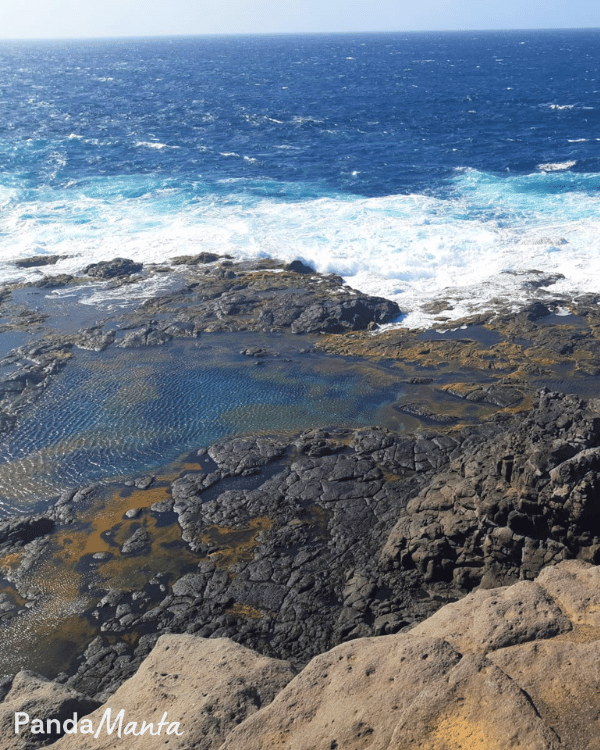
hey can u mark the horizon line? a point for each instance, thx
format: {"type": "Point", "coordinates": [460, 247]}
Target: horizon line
{"type": "Point", "coordinates": [213, 34]}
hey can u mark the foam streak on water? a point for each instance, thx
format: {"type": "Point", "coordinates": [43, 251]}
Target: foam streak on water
{"type": "Point", "coordinates": [418, 167]}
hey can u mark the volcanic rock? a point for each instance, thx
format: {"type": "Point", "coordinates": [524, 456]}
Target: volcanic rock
{"type": "Point", "coordinates": [109, 269]}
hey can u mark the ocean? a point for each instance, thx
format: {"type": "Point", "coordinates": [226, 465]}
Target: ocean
{"type": "Point", "coordinates": [418, 166]}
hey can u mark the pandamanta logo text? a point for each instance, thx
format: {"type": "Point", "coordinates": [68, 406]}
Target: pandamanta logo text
{"type": "Point", "coordinates": [86, 725]}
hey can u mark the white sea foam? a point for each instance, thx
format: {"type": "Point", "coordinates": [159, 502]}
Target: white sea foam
{"type": "Point", "coordinates": [483, 242]}
{"type": "Point", "coordinates": [153, 144]}
{"type": "Point", "coordinates": [558, 166]}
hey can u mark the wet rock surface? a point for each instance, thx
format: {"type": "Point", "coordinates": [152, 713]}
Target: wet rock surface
{"type": "Point", "coordinates": [111, 268]}
{"type": "Point", "coordinates": [203, 293]}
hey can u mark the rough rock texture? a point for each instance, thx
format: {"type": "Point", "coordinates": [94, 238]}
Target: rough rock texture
{"type": "Point", "coordinates": [491, 619]}
{"type": "Point", "coordinates": [229, 296]}
{"type": "Point", "coordinates": [108, 269]}
{"type": "Point", "coordinates": [288, 536]}
{"type": "Point", "coordinates": [338, 534]}
{"type": "Point", "coordinates": [575, 587]}
{"type": "Point", "coordinates": [504, 681]}
{"type": "Point", "coordinates": [40, 698]}
{"type": "Point", "coordinates": [209, 686]}
{"type": "Point", "coordinates": [38, 260]}
{"type": "Point", "coordinates": [511, 668]}
{"type": "Point", "coordinates": [511, 505]}
{"type": "Point", "coordinates": [397, 692]}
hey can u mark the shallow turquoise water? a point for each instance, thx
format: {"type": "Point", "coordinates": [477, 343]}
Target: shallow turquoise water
{"type": "Point", "coordinates": [128, 411]}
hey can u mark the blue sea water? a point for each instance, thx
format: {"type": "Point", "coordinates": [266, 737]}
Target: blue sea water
{"type": "Point", "coordinates": [418, 166]}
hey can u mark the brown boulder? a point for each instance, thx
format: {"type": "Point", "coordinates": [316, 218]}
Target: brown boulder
{"type": "Point", "coordinates": [208, 686]}
{"type": "Point", "coordinates": [399, 692]}
{"type": "Point", "coordinates": [38, 698]}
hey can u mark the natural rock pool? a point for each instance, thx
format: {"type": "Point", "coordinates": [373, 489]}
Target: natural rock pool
{"type": "Point", "coordinates": [125, 411]}
{"type": "Point", "coordinates": [101, 433]}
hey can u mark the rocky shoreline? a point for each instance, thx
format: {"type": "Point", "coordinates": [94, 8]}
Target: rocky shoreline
{"type": "Point", "coordinates": [292, 545]}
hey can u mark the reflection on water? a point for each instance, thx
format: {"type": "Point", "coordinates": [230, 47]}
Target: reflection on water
{"type": "Point", "coordinates": [126, 411]}
{"type": "Point", "coordinates": [49, 636]}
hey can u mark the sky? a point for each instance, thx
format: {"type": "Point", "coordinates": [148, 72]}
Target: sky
{"type": "Point", "coordinates": [35, 19]}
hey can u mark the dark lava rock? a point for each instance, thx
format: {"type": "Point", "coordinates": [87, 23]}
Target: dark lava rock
{"type": "Point", "coordinates": [21, 531]}
{"type": "Point", "coordinates": [508, 506]}
{"type": "Point", "coordinates": [240, 454]}
{"type": "Point", "coordinates": [145, 337]}
{"type": "Point", "coordinates": [544, 280]}
{"type": "Point", "coordinates": [297, 266]}
{"type": "Point", "coordinates": [258, 351]}
{"type": "Point", "coordinates": [95, 339]}
{"type": "Point", "coordinates": [38, 260]}
{"type": "Point", "coordinates": [181, 329]}
{"type": "Point", "coordinates": [536, 311]}
{"type": "Point", "coordinates": [496, 394]}
{"type": "Point", "coordinates": [137, 543]}
{"type": "Point", "coordinates": [420, 410]}
{"type": "Point", "coordinates": [336, 316]}
{"type": "Point", "coordinates": [314, 521]}
{"type": "Point", "coordinates": [109, 269]}
{"type": "Point", "coordinates": [228, 296]}
{"type": "Point", "coordinates": [191, 260]}
{"type": "Point", "coordinates": [53, 282]}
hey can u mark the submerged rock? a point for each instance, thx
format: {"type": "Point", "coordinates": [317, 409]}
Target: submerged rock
{"type": "Point", "coordinates": [139, 542]}
{"type": "Point", "coordinates": [38, 260]}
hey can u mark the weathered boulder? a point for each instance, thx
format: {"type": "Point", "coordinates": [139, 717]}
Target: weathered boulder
{"type": "Point", "coordinates": [207, 686]}
{"type": "Point", "coordinates": [562, 680]}
{"type": "Point", "coordinates": [396, 692]}
{"type": "Point", "coordinates": [39, 698]}
{"type": "Point", "coordinates": [503, 668]}
{"type": "Point", "coordinates": [490, 619]}
{"type": "Point", "coordinates": [575, 586]}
